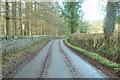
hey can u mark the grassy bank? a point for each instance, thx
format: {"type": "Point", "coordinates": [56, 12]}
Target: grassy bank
{"type": "Point", "coordinates": [13, 56]}
{"type": "Point", "coordinates": [97, 57]}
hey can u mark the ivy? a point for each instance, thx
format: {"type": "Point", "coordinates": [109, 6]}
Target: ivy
{"type": "Point", "coordinates": [95, 56]}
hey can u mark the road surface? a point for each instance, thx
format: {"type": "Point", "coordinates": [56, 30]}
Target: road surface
{"type": "Point", "coordinates": [55, 60]}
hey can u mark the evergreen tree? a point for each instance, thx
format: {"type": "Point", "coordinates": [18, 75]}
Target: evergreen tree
{"type": "Point", "coordinates": [71, 9]}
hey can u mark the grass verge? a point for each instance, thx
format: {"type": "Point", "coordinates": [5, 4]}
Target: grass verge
{"type": "Point", "coordinates": [11, 57]}
{"type": "Point", "coordinates": [95, 56]}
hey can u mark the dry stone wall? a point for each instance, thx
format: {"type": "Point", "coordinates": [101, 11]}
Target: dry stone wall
{"type": "Point", "coordinates": [9, 43]}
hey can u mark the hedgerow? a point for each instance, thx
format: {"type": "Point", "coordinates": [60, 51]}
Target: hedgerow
{"type": "Point", "coordinates": [97, 57]}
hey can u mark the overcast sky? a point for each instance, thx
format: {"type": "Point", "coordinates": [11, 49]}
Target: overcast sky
{"type": "Point", "coordinates": [92, 9]}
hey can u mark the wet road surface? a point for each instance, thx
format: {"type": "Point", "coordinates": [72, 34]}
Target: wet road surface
{"type": "Point", "coordinates": [55, 60]}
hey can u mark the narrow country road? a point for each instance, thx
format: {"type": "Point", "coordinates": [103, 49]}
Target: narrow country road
{"type": "Point", "coordinates": [55, 60]}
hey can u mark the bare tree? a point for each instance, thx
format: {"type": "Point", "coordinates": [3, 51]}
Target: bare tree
{"type": "Point", "coordinates": [14, 26]}
{"type": "Point", "coordinates": [20, 17]}
{"type": "Point", "coordinates": [7, 19]}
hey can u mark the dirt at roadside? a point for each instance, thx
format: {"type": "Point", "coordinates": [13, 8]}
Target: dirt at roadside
{"type": "Point", "coordinates": [106, 70]}
{"type": "Point", "coordinates": [16, 66]}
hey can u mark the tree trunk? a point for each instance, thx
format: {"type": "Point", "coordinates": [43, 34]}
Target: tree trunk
{"type": "Point", "coordinates": [25, 30]}
{"type": "Point", "coordinates": [7, 19]}
{"type": "Point", "coordinates": [31, 30]}
{"type": "Point", "coordinates": [109, 23]}
{"type": "Point", "coordinates": [27, 17]}
{"type": "Point", "coordinates": [20, 17]}
{"type": "Point", "coordinates": [72, 30]}
{"type": "Point", "coordinates": [13, 21]}
{"type": "Point", "coordinates": [0, 21]}
{"type": "Point", "coordinates": [14, 27]}
{"type": "Point", "coordinates": [118, 59]}
{"type": "Point", "coordinates": [28, 27]}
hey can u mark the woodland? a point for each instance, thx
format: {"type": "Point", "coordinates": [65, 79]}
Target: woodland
{"type": "Point", "coordinates": [51, 18]}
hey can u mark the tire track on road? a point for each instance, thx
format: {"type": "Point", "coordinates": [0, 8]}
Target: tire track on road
{"type": "Point", "coordinates": [74, 71]}
{"type": "Point", "coordinates": [46, 62]}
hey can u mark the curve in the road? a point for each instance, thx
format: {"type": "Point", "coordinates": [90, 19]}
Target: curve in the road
{"type": "Point", "coordinates": [87, 70]}
{"type": "Point", "coordinates": [72, 68]}
{"type": "Point", "coordinates": [56, 61]}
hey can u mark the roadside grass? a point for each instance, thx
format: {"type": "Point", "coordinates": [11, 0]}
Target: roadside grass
{"type": "Point", "coordinates": [11, 57]}
{"type": "Point", "coordinates": [95, 56]}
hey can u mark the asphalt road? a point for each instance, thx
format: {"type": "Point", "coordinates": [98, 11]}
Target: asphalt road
{"type": "Point", "coordinates": [55, 60]}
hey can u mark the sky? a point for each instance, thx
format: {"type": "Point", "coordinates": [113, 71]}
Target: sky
{"type": "Point", "coordinates": [92, 11]}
